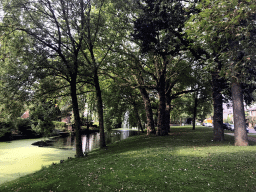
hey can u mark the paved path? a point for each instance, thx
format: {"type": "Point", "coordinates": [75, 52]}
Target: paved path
{"type": "Point", "coordinates": [251, 131]}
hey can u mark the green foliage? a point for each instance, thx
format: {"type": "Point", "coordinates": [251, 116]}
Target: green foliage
{"type": "Point", "coordinates": [61, 126]}
{"type": "Point", "coordinates": [252, 120]}
{"type": "Point", "coordinates": [6, 127]}
{"type": "Point", "coordinates": [119, 99]}
{"type": "Point", "coordinates": [225, 29]}
{"type": "Point", "coordinates": [42, 116]}
{"type": "Point", "coordinates": [229, 120]}
{"type": "Point", "coordinates": [157, 26]}
{"type": "Point", "coordinates": [24, 126]}
{"type": "Point", "coordinates": [43, 127]}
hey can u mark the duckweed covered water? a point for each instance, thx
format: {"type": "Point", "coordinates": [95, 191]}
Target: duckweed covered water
{"type": "Point", "coordinates": [18, 158]}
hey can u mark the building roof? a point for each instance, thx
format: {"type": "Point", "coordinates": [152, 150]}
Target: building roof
{"type": "Point", "coordinates": [25, 115]}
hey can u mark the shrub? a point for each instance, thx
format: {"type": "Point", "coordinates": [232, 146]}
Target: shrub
{"type": "Point", "coordinates": [24, 127]}
{"type": "Point", "coordinates": [6, 130]}
{"type": "Point", "coordinates": [60, 126]}
{"type": "Point", "coordinates": [44, 128]}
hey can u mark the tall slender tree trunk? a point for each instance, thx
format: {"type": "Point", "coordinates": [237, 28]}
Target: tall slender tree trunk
{"type": "Point", "coordinates": [139, 122]}
{"type": "Point", "coordinates": [150, 122]}
{"type": "Point", "coordinates": [99, 109]}
{"type": "Point", "coordinates": [195, 111]}
{"type": "Point", "coordinates": [218, 108]}
{"type": "Point", "coordinates": [79, 150]}
{"type": "Point", "coordinates": [138, 117]}
{"type": "Point", "coordinates": [168, 112]}
{"type": "Point", "coordinates": [241, 138]}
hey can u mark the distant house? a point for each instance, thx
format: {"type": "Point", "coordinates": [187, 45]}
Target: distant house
{"type": "Point", "coordinates": [252, 111]}
{"type": "Point", "coordinates": [228, 112]}
{"type": "Point", "coordinates": [25, 115]}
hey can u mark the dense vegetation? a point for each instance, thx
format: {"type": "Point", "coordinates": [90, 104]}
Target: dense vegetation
{"type": "Point", "coordinates": [158, 61]}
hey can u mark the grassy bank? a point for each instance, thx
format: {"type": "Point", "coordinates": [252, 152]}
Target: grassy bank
{"type": "Point", "coordinates": [185, 160]}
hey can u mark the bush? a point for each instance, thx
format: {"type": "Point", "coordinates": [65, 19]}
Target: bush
{"type": "Point", "coordinates": [60, 126]}
{"type": "Point", "coordinates": [44, 128]}
{"type": "Point", "coordinates": [24, 127]}
{"type": "Point", "coordinates": [228, 120]}
{"type": "Point", "coordinates": [6, 130]}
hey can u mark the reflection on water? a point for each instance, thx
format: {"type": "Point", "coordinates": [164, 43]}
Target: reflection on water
{"type": "Point", "coordinates": [92, 141]}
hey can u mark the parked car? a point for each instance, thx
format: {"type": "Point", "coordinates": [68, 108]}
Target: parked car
{"type": "Point", "coordinates": [208, 124]}
{"type": "Point", "coordinates": [232, 128]}
{"type": "Point", "coordinates": [226, 126]}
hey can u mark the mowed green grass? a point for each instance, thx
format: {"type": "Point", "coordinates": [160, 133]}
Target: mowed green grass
{"type": "Point", "coordinates": [186, 160]}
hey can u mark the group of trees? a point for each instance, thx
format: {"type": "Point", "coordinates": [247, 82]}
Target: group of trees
{"type": "Point", "coordinates": [226, 30]}
{"type": "Point", "coordinates": [129, 53]}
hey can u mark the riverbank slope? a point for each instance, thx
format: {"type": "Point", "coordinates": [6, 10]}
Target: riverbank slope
{"type": "Point", "coordinates": [186, 160]}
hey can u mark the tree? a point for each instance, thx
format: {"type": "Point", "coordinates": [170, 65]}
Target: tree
{"type": "Point", "coordinates": [42, 114]}
{"type": "Point", "coordinates": [159, 29]}
{"type": "Point", "coordinates": [225, 31]}
{"type": "Point", "coordinates": [54, 30]}
{"type": "Point", "coordinates": [105, 28]}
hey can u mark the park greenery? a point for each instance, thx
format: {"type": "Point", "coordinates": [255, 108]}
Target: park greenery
{"type": "Point", "coordinates": [187, 160]}
{"type": "Point", "coordinates": [159, 60]}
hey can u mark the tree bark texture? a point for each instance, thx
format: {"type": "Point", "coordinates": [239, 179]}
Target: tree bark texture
{"type": "Point", "coordinates": [218, 108]}
{"type": "Point", "coordinates": [79, 150]}
{"type": "Point", "coordinates": [138, 117]}
{"type": "Point", "coordinates": [99, 109]}
{"type": "Point", "coordinates": [139, 123]}
{"type": "Point", "coordinates": [195, 111]}
{"type": "Point", "coordinates": [162, 127]}
{"type": "Point", "coordinates": [150, 122]}
{"type": "Point", "coordinates": [168, 112]}
{"type": "Point", "coordinates": [241, 138]}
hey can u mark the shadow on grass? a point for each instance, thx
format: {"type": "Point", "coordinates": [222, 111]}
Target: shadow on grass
{"type": "Point", "coordinates": [177, 138]}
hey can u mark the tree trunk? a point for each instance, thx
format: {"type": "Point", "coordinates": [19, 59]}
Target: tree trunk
{"type": "Point", "coordinates": [162, 128]}
{"type": "Point", "coordinates": [138, 117]}
{"type": "Point", "coordinates": [168, 112]}
{"type": "Point", "coordinates": [241, 138]}
{"type": "Point", "coordinates": [99, 109]}
{"type": "Point", "coordinates": [218, 109]}
{"type": "Point", "coordinates": [139, 123]}
{"type": "Point", "coordinates": [195, 111]}
{"type": "Point", "coordinates": [162, 121]}
{"type": "Point", "coordinates": [79, 151]}
{"type": "Point", "coordinates": [150, 122]}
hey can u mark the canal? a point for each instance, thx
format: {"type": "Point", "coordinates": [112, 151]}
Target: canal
{"type": "Point", "coordinates": [20, 157]}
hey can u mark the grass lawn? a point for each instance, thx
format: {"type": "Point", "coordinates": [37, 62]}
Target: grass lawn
{"type": "Point", "coordinates": [251, 135]}
{"type": "Point", "coordinates": [186, 160]}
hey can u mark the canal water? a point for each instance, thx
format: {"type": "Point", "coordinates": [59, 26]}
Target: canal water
{"type": "Point", "coordinates": [20, 157]}
{"type": "Point", "coordinates": [91, 141]}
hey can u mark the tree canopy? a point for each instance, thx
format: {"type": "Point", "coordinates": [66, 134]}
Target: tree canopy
{"type": "Point", "coordinates": [145, 57]}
